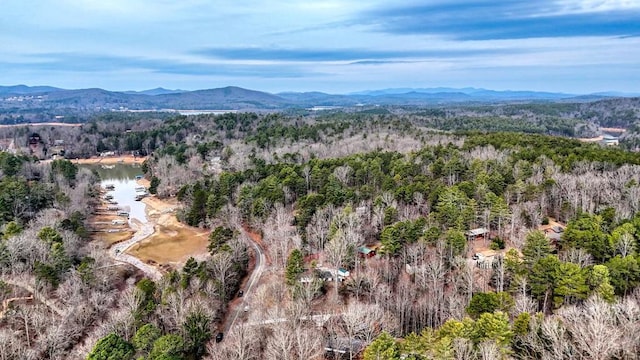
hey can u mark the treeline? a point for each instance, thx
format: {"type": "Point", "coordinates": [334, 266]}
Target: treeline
{"type": "Point", "coordinates": [145, 133]}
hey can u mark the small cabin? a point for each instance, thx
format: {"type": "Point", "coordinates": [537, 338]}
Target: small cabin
{"type": "Point", "coordinates": [366, 252]}
{"type": "Point", "coordinates": [34, 140]}
{"type": "Point", "coordinates": [123, 214]}
{"type": "Point", "coordinates": [474, 234]}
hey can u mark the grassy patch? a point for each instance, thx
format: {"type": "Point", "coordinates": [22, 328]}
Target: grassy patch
{"type": "Point", "coordinates": [171, 244]}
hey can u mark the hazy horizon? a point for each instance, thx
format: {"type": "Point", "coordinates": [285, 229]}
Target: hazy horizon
{"type": "Point", "coordinates": [328, 92]}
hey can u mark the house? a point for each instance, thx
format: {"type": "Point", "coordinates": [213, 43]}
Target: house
{"type": "Point", "coordinates": [57, 151]}
{"type": "Point", "coordinates": [473, 234]}
{"type": "Point", "coordinates": [554, 233]}
{"type": "Point", "coordinates": [609, 140]}
{"type": "Point", "coordinates": [485, 259]}
{"type": "Point", "coordinates": [329, 274]}
{"type": "Point", "coordinates": [366, 252]}
{"type": "Point", "coordinates": [36, 146]}
{"type": "Point", "coordinates": [343, 347]}
{"type": "Point", "coordinates": [34, 140]}
{"type": "Point", "coordinates": [343, 273]}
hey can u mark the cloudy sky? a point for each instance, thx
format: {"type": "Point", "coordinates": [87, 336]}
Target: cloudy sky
{"type": "Point", "coordinates": [335, 46]}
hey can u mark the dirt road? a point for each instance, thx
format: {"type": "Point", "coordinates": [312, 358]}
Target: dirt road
{"type": "Point", "coordinates": [258, 269]}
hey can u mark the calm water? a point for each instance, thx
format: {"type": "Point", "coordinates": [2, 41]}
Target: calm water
{"type": "Point", "coordinates": [123, 178]}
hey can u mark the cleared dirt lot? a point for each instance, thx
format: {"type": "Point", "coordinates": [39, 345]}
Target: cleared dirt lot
{"type": "Point", "coordinates": [124, 159]}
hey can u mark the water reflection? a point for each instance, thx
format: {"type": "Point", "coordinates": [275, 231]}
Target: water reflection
{"type": "Point", "coordinates": [122, 177]}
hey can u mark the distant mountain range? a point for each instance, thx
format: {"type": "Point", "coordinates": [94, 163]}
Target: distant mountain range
{"type": "Point", "coordinates": [26, 90]}
{"type": "Point", "coordinates": [21, 98]}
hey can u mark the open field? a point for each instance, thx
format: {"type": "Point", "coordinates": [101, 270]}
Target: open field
{"type": "Point", "coordinates": [172, 243]}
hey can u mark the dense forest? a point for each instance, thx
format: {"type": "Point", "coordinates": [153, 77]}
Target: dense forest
{"type": "Point", "coordinates": [320, 191]}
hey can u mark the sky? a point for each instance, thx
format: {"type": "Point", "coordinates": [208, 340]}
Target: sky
{"type": "Point", "coordinates": [332, 46]}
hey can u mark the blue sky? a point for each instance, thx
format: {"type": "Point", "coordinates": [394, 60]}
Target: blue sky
{"type": "Point", "coordinates": [333, 46]}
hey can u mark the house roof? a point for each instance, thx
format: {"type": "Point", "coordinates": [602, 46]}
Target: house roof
{"type": "Point", "coordinates": [477, 232]}
{"type": "Point", "coordinates": [364, 250]}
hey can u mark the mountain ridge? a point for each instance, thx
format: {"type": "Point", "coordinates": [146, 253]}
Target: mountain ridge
{"type": "Point", "coordinates": [238, 98]}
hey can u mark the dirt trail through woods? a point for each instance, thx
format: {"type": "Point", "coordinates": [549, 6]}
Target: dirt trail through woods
{"type": "Point", "coordinates": [7, 302]}
{"type": "Point", "coordinates": [24, 284]}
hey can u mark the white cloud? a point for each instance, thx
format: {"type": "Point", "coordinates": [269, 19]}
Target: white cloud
{"type": "Point", "coordinates": [168, 30]}
{"type": "Point", "coordinates": [595, 6]}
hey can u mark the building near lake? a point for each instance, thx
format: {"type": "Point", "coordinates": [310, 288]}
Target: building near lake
{"type": "Point", "coordinates": [610, 140]}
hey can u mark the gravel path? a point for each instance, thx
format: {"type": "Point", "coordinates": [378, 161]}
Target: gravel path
{"type": "Point", "coordinates": [118, 251]}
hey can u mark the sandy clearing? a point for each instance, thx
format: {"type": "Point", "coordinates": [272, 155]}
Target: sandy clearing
{"type": "Point", "coordinates": [124, 159]}
{"type": "Point", "coordinates": [595, 139]}
{"type": "Point", "coordinates": [613, 129]}
{"type": "Point", "coordinates": [172, 242]}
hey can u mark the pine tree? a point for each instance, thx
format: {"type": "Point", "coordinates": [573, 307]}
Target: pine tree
{"type": "Point", "coordinates": [295, 266]}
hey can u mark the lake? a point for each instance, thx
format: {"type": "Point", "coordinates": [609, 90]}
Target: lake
{"type": "Point", "coordinates": [123, 177]}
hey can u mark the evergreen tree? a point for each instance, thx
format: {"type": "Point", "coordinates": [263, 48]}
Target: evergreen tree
{"type": "Point", "coordinates": [384, 347]}
{"type": "Point", "coordinates": [112, 347]}
{"type": "Point", "coordinates": [168, 347]}
{"type": "Point", "coordinates": [197, 329]}
{"type": "Point", "coordinates": [145, 337]}
{"type": "Point", "coordinates": [600, 283]}
{"type": "Point", "coordinates": [536, 247]}
{"type": "Point", "coordinates": [295, 266]}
